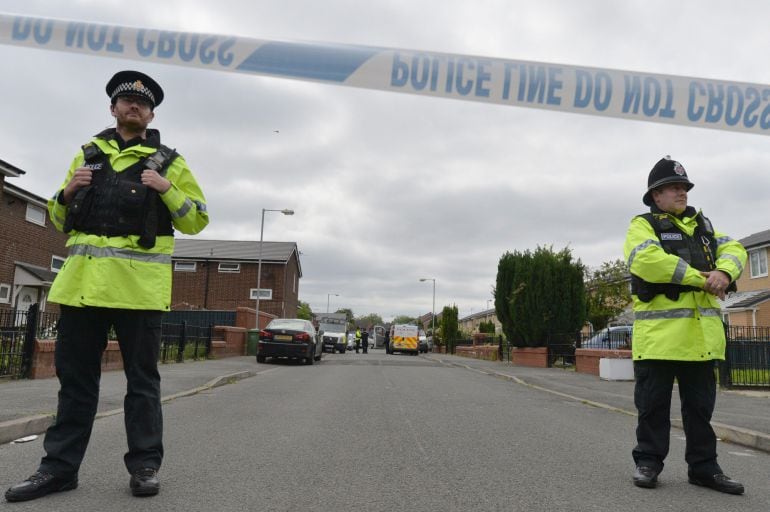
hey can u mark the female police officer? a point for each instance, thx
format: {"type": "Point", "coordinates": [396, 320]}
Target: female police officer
{"type": "Point", "coordinates": [679, 264]}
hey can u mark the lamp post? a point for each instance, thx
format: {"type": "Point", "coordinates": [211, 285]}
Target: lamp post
{"type": "Point", "coordinates": [327, 299]}
{"type": "Point", "coordinates": [285, 211]}
{"type": "Point", "coordinates": [433, 310]}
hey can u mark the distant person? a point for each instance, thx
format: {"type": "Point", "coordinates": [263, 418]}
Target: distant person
{"type": "Point", "coordinates": [387, 341]}
{"type": "Point", "coordinates": [365, 341]}
{"type": "Point", "coordinates": [679, 265]}
{"type": "Point", "coordinates": [358, 339]}
{"type": "Point", "coordinates": [124, 195]}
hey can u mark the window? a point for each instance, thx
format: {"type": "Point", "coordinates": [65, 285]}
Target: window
{"type": "Point", "coordinates": [56, 263]}
{"type": "Point", "coordinates": [230, 267]}
{"type": "Point", "coordinates": [184, 266]}
{"type": "Point", "coordinates": [35, 214]}
{"type": "Point", "coordinates": [264, 293]}
{"type": "Point", "coordinates": [758, 261]}
{"type": "Point", "coordinates": [5, 293]}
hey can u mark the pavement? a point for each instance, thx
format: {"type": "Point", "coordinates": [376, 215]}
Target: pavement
{"type": "Point", "coordinates": [27, 407]}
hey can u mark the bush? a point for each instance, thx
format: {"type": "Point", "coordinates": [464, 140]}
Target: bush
{"type": "Point", "coordinates": [538, 294]}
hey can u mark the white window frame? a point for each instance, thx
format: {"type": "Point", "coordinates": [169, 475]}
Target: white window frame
{"type": "Point", "coordinates": [60, 260]}
{"type": "Point", "coordinates": [234, 268]}
{"type": "Point", "coordinates": [757, 258]}
{"type": "Point", "coordinates": [185, 266]}
{"type": "Point", "coordinates": [265, 294]}
{"type": "Point", "coordinates": [39, 214]}
{"type": "Point", "coordinates": [5, 293]}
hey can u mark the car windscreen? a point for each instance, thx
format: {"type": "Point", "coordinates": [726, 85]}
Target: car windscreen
{"type": "Point", "coordinates": [296, 325]}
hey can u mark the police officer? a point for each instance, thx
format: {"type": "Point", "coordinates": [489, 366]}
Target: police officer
{"type": "Point", "coordinates": [365, 341]}
{"type": "Point", "coordinates": [358, 339]}
{"type": "Point", "coordinates": [123, 196]}
{"type": "Point", "coordinates": [679, 265]}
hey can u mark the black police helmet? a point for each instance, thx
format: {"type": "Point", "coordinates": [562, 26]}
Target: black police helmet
{"type": "Point", "coordinates": [665, 171]}
{"type": "Point", "coordinates": [134, 83]}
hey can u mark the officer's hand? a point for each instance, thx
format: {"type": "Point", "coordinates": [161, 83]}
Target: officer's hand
{"type": "Point", "coordinates": [716, 283]}
{"type": "Point", "coordinates": [155, 181]}
{"type": "Point", "coordinates": [81, 178]}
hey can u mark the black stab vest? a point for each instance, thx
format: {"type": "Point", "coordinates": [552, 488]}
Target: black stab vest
{"type": "Point", "coordinates": [117, 203]}
{"type": "Point", "coordinates": [698, 250]}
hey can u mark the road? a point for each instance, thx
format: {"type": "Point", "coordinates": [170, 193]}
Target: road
{"type": "Point", "coordinates": [380, 432]}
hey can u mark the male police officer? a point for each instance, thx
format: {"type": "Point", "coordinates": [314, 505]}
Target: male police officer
{"type": "Point", "coordinates": [123, 196]}
{"type": "Point", "coordinates": [679, 264]}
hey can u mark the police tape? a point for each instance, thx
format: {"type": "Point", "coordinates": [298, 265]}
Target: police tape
{"type": "Point", "coordinates": [679, 100]}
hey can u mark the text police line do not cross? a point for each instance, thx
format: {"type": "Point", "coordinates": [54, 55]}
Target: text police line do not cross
{"type": "Point", "coordinates": [687, 101]}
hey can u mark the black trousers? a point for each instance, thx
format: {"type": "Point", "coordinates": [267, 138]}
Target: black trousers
{"type": "Point", "coordinates": [652, 396]}
{"type": "Point", "coordinates": [80, 344]}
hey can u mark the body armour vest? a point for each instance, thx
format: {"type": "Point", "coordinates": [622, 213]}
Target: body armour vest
{"type": "Point", "coordinates": [117, 203]}
{"type": "Point", "coordinates": [697, 250]}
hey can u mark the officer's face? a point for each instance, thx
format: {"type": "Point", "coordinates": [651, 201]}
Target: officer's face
{"type": "Point", "coordinates": [132, 112]}
{"type": "Point", "coordinates": [671, 198]}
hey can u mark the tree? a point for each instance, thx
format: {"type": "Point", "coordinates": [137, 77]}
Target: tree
{"type": "Point", "coordinates": [607, 293]}
{"type": "Point", "coordinates": [539, 295]}
{"type": "Point", "coordinates": [449, 327]}
{"type": "Point", "coordinates": [304, 312]}
{"type": "Point", "coordinates": [487, 327]}
{"type": "Point", "coordinates": [404, 319]}
{"type": "Point", "coordinates": [369, 320]}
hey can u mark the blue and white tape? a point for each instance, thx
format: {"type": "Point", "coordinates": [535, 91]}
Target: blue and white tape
{"type": "Point", "coordinates": [688, 101]}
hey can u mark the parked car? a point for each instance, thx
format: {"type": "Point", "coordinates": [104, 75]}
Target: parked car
{"type": "Point", "coordinates": [618, 336]}
{"type": "Point", "coordinates": [293, 338]}
{"type": "Point", "coordinates": [422, 342]}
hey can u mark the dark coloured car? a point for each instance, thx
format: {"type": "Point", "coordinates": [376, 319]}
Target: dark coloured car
{"type": "Point", "coordinates": [615, 337]}
{"type": "Point", "coordinates": [291, 338]}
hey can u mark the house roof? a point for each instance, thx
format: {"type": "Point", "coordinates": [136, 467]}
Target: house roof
{"type": "Point", "coordinates": [24, 195]}
{"type": "Point", "coordinates": [757, 239]}
{"type": "Point", "coordinates": [480, 314]}
{"type": "Point", "coordinates": [742, 300]}
{"type": "Point", "coordinates": [9, 170]}
{"type": "Point", "coordinates": [43, 274]}
{"type": "Point", "coordinates": [235, 250]}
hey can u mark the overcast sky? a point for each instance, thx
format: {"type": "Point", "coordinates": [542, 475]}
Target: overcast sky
{"type": "Point", "coordinates": [389, 188]}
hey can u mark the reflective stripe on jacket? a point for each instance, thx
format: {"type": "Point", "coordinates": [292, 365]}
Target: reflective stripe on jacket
{"type": "Point", "coordinates": [115, 271]}
{"type": "Point", "coordinates": [687, 329]}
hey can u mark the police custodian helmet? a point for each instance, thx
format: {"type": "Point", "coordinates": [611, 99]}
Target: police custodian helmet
{"type": "Point", "coordinates": [134, 83]}
{"type": "Point", "coordinates": [665, 171]}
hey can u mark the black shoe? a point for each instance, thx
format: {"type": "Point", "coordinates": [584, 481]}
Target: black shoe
{"type": "Point", "coordinates": [719, 482]}
{"type": "Point", "coordinates": [38, 485]}
{"type": "Point", "coordinates": [646, 477]}
{"type": "Point", "coordinates": [144, 482]}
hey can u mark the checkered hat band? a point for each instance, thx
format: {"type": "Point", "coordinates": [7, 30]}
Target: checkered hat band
{"type": "Point", "coordinates": [133, 88]}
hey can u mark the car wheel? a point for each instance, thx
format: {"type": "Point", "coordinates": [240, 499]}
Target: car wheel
{"type": "Point", "coordinates": [260, 358]}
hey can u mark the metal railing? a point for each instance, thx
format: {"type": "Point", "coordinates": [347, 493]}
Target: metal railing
{"type": "Point", "coordinates": [747, 358]}
{"type": "Point", "coordinates": [20, 329]}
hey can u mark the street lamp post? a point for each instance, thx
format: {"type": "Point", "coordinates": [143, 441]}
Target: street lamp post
{"type": "Point", "coordinates": [285, 211]}
{"type": "Point", "coordinates": [327, 299]}
{"type": "Point", "coordinates": [433, 310]}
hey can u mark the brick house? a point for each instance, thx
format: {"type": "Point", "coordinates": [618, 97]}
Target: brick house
{"type": "Point", "coordinates": [31, 249]}
{"type": "Point", "coordinates": [222, 275]}
{"type": "Point", "coordinates": [750, 305]}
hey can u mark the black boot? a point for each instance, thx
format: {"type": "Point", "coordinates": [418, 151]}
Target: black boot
{"type": "Point", "coordinates": [38, 485]}
{"type": "Point", "coordinates": [144, 482]}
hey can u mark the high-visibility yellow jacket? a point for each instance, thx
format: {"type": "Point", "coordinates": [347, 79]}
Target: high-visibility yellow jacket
{"type": "Point", "coordinates": [115, 271]}
{"type": "Point", "coordinates": [690, 328]}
